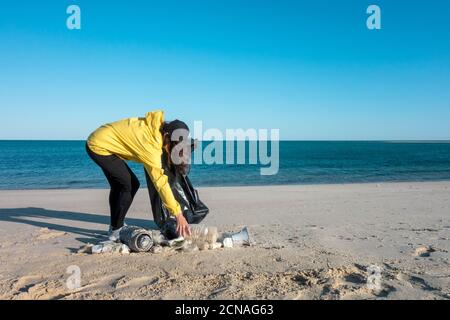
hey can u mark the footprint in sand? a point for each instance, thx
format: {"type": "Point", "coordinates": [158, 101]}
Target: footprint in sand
{"type": "Point", "coordinates": [424, 251]}
{"type": "Point", "coordinates": [46, 233]}
{"type": "Point", "coordinates": [34, 287]}
{"type": "Point", "coordinates": [427, 287]}
{"type": "Point", "coordinates": [132, 282]}
{"type": "Point", "coordinates": [347, 282]}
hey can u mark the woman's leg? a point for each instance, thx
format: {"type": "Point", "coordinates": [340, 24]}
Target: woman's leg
{"type": "Point", "coordinates": [124, 185]}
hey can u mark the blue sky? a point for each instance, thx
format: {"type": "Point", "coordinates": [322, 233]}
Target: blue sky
{"type": "Point", "coordinates": [310, 68]}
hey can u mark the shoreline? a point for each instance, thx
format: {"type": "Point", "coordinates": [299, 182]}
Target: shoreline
{"type": "Point", "coordinates": [311, 242]}
{"type": "Point", "coordinates": [257, 185]}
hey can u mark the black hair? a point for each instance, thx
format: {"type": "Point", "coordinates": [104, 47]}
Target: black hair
{"type": "Point", "coordinates": [170, 127]}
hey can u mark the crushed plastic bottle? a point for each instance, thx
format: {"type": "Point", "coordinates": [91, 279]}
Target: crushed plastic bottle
{"type": "Point", "coordinates": [136, 238]}
{"type": "Point", "coordinates": [110, 247]}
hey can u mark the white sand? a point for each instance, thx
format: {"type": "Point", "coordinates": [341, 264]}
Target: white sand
{"type": "Point", "coordinates": [312, 242]}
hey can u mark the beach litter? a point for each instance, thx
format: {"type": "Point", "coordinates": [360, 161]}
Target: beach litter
{"type": "Point", "coordinates": [241, 238]}
{"type": "Point", "coordinates": [137, 239]}
{"type": "Point", "coordinates": [228, 243]}
{"type": "Point", "coordinates": [110, 247]}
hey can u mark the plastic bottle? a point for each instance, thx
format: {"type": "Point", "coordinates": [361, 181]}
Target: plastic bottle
{"type": "Point", "coordinates": [202, 233]}
{"type": "Point", "coordinates": [102, 248]}
{"type": "Point", "coordinates": [110, 247]}
{"type": "Point", "coordinates": [136, 238]}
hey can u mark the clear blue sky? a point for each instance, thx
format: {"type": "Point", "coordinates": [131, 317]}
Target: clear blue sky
{"type": "Point", "coordinates": [310, 68]}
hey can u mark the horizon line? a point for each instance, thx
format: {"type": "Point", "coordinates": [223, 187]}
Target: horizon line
{"type": "Point", "coordinates": [281, 140]}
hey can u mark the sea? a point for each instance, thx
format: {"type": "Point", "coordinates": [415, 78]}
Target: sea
{"type": "Point", "coordinates": [65, 164]}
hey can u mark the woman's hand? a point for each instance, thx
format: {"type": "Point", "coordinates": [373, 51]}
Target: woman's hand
{"type": "Point", "coordinates": [183, 228]}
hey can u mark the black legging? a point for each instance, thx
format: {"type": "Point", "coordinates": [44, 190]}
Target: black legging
{"type": "Point", "coordinates": [124, 185]}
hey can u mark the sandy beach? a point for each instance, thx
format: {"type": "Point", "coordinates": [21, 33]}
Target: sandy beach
{"type": "Point", "coordinates": [310, 242]}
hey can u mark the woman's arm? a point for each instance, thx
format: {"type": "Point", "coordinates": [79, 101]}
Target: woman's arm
{"type": "Point", "coordinates": [161, 183]}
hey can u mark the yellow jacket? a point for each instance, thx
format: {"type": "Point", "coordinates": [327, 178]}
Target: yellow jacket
{"type": "Point", "coordinates": [140, 140]}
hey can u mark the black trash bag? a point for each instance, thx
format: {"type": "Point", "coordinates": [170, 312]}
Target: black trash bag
{"type": "Point", "coordinates": [194, 210]}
